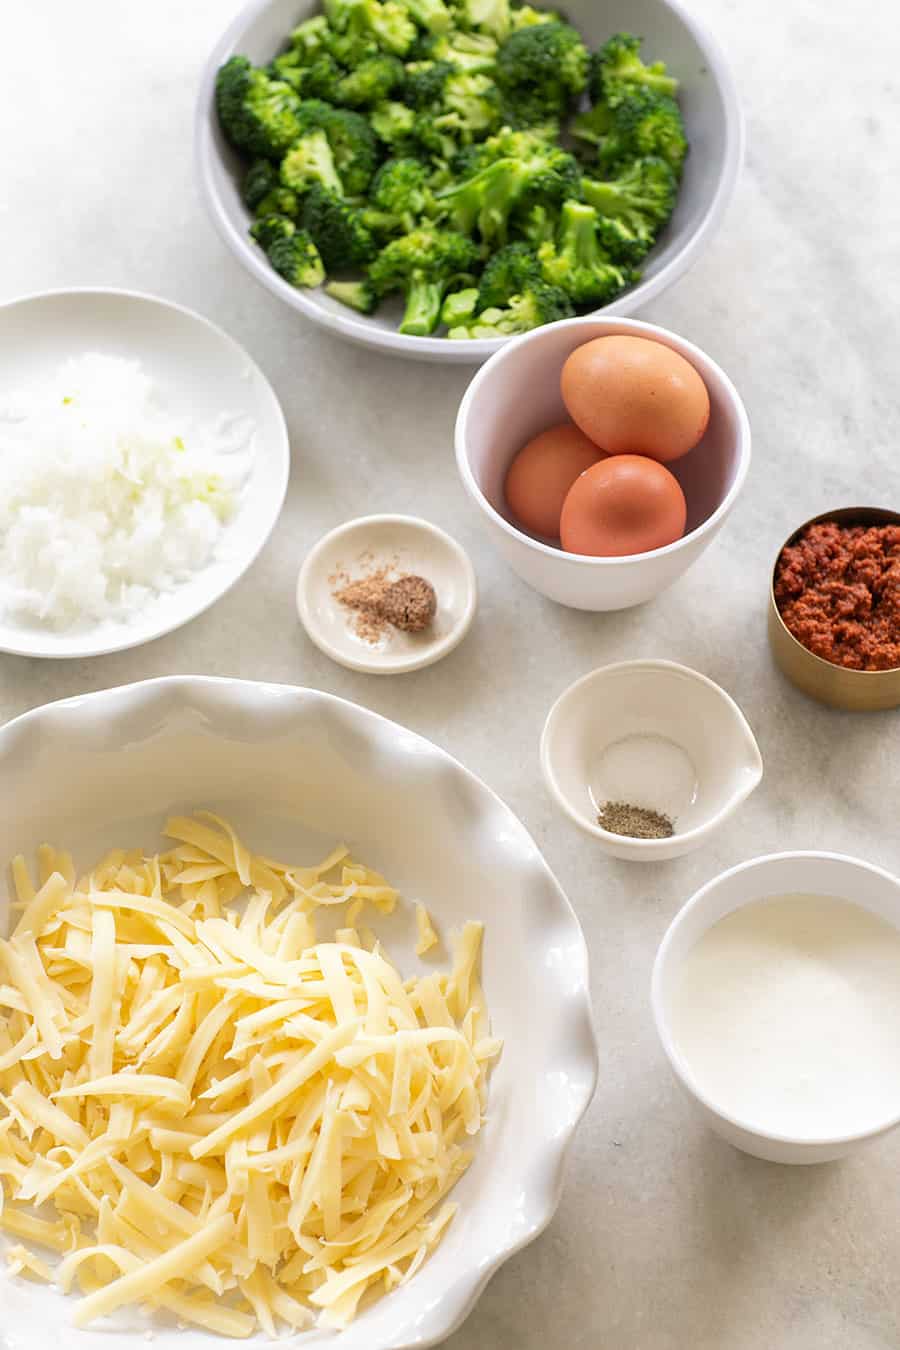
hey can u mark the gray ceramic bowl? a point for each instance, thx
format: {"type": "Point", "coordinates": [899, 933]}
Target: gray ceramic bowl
{"type": "Point", "coordinates": [711, 112]}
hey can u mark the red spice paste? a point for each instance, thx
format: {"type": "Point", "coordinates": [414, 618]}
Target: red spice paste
{"type": "Point", "coordinates": [837, 588]}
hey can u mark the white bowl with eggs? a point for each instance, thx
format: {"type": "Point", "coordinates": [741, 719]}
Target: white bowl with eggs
{"type": "Point", "coordinates": [295, 771]}
{"type": "Point", "coordinates": [776, 997]}
{"type": "Point", "coordinates": [656, 735]}
{"type": "Point", "coordinates": [712, 117]}
{"type": "Point", "coordinates": [516, 395]}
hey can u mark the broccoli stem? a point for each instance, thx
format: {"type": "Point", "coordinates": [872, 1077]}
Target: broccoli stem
{"type": "Point", "coordinates": [423, 307]}
{"type": "Point", "coordinates": [580, 233]}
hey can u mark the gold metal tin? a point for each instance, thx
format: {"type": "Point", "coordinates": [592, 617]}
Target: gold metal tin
{"type": "Point", "coordinates": [856, 690]}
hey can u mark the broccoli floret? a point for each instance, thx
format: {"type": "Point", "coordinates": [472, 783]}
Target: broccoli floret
{"type": "Point", "coordinates": [644, 123]}
{"type": "Point", "coordinates": [358, 295]}
{"type": "Point", "coordinates": [256, 113]}
{"type": "Point", "coordinates": [643, 195]}
{"type": "Point", "coordinates": [338, 230]}
{"type": "Point", "coordinates": [266, 230]}
{"type": "Point", "coordinates": [424, 265]}
{"type": "Point", "coordinates": [392, 122]}
{"type": "Point", "coordinates": [309, 39]}
{"type": "Point", "coordinates": [540, 303]}
{"type": "Point", "coordinates": [310, 161]}
{"type": "Point", "coordinates": [261, 177]}
{"type": "Point", "coordinates": [489, 16]}
{"type": "Point", "coordinates": [617, 71]}
{"type": "Point", "coordinates": [475, 53]}
{"type": "Point", "coordinates": [593, 125]}
{"type": "Point", "coordinates": [400, 189]}
{"type": "Point", "coordinates": [471, 105]}
{"type": "Point", "coordinates": [509, 272]}
{"type": "Point", "coordinates": [541, 69]}
{"type": "Point", "coordinates": [523, 16]}
{"type": "Point", "coordinates": [296, 258]}
{"type": "Point", "coordinates": [576, 263]}
{"type": "Point", "coordinates": [434, 137]}
{"type": "Point", "coordinates": [287, 67]}
{"type": "Point", "coordinates": [486, 201]}
{"type": "Point", "coordinates": [459, 307]}
{"type": "Point", "coordinates": [281, 201]}
{"type": "Point", "coordinates": [321, 79]}
{"type": "Point", "coordinates": [536, 224]}
{"type": "Point", "coordinates": [371, 81]}
{"type": "Point", "coordinates": [425, 81]}
{"type": "Point", "coordinates": [388, 23]}
{"type": "Point", "coordinates": [432, 15]}
{"type": "Point", "coordinates": [352, 141]}
{"type": "Point", "coordinates": [624, 242]}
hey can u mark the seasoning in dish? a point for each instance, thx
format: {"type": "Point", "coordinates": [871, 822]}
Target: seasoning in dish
{"type": "Point", "coordinates": [381, 599]}
{"type": "Point", "coordinates": [837, 588]}
{"type": "Point", "coordinates": [637, 822]}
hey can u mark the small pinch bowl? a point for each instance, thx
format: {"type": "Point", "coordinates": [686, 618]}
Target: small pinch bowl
{"type": "Point", "coordinates": [836, 686]}
{"type": "Point", "coordinates": [714, 763]}
{"type": "Point", "coordinates": [516, 394]}
{"type": "Point", "coordinates": [827, 874]}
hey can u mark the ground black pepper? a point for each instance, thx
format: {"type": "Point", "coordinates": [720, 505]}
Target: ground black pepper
{"type": "Point", "coordinates": [638, 822]}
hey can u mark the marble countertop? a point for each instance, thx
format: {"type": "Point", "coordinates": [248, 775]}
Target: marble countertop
{"type": "Point", "coordinates": [666, 1239]}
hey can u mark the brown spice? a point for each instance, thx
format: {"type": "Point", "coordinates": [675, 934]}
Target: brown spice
{"type": "Point", "coordinates": [638, 822]}
{"type": "Point", "coordinates": [381, 600]}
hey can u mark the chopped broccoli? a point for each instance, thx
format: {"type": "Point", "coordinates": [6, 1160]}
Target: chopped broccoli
{"type": "Point", "coordinates": [424, 265]}
{"type": "Point", "coordinates": [310, 161]}
{"type": "Point", "coordinates": [267, 229]}
{"type": "Point", "coordinates": [488, 16]}
{"type": "Point", "coordinates": [432, 15]}
{"type": "Point", "coordinates": [371, 81]}
{"type": "Point", "coordinates": [576, 262]}
{"type": "Point", "coordinates": [486, 200]}
{"type": "Point", "coordinates": [400, 189]}
{"type": "Point", "coordinates": [337, 229]}
{"type": "Point", "coordinates": [617, 71]}
{"type": "Point", "coordinates": [321, 79]}
{"type": "Point", "coordinates": [281, 201]}
{"type": "Point", "coordinates": [543, 67]}
{"type": "Point", "coordinates": [643, 195]}
{"type": "Point", "coordinates": [475, 53]}
{"type": "Point", "coordinates": [624, 242]}
{"type": "Point", "coordinates": [459, 306]}
{"type": "Point", "coordinates": [257, 114]}
{"type": "Point", "coordinates": [471, 105]}
{"type": "Point", "coordinates": [592, 126]}
{"type": "Point", "coordinates": [388, 23]}
{"type": "Point", "coordinates": [425, 81]}
{"type": "Point", "coordinates": [523, 16]}
{"type": "Point", "coordinates": [261, 177]}
{"type": "Point", "coordinates": [296, 258]}
{"type": "Point", "coordinates": [352, 141]}
{"type": "Point", "coordinates": [536, 223]}
{"type": "Point", "coordinates": [392, 122]}
{"type": "Point", "coordinates": [509, 272]}
{"type": "Point", "coordinates": [538, 304]}
{"type": "Point", "coordinates": [310, 38]}
{"type": "Point", "coordinates": [358, 295]}
{"type": "Point", "coordinates": [643, 123]}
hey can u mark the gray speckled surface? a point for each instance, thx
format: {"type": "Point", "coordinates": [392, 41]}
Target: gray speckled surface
{"type": "Point", "coordinates": [666, 1239]}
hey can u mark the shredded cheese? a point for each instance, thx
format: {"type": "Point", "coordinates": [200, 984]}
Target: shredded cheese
{"type": "Point", "coordinates": [231, 1120]}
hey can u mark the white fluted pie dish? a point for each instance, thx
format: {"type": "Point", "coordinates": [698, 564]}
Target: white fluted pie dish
{"type": "Point", "coordinates": [295, 770]}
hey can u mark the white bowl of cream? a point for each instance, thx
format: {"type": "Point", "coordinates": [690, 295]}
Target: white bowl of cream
{"type": "Point", "coordinates": [776, 995]}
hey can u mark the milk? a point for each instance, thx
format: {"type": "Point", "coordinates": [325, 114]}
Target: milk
{"type": "Point", "coordinates": [787, 1015]}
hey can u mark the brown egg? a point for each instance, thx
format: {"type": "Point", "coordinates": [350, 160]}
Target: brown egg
{"type": "Point", "coordinates": [542, 473]}
{"type": "Point", "coordinates": [624, 504]}
{"type": "Point", "coordinates": [632, 396]}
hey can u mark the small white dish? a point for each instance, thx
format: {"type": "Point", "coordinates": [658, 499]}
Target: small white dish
{"type": "Point", "coordinates": [712, 116]}
{"type": "Point", "coordinates": [655, 735]}
{"type": "Point", "coordinates": [199, 371]}
{"type": "Point", "coordinates": [517, 394]}
{"type": "Point", "coordinates": [406, 544]}
{"type": "Point", "coordinates": [827, 874]}
{"type": "Point", "coordinates": [295, 770]}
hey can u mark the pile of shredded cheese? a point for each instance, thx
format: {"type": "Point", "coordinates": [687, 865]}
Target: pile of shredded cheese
{"type": "Point", "coordinates": [205, 1110]}
{"type": "Point", "coordinates": [106, 498]}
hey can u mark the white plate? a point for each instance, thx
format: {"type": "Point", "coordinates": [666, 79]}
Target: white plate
{"type": "Point", "coordinates": [199, 370]}
{"type": "Point", "coordinates": [409, 545]}
{"type": "Point", "coordinates": [296, 770]}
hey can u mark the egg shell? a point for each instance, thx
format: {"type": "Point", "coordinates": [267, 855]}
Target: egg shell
{"type": "Point", "coordinates": [625, 504]}
{"type": "Point", "coordinates": [542, 473]}
{"type": "Point", "coordinates": [631, 395]}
